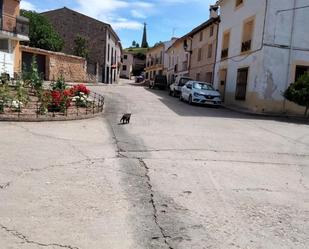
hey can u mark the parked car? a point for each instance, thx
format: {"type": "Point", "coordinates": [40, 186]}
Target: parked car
{"type": "Point", "coordinates": [139, 79]}
{"type": "Point", "coordinates": [175, 88]}
{"type": "Point", "coordinates": [200, 93]}
{"type": "Point", "coordinates": [160, 81]}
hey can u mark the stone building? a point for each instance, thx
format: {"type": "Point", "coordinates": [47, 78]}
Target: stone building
{"type": "Point", "coordinates": [133, 63]}
{"type": "Point", "coordinates": [14, 29]}
{"type": "Point", "coordinates": [262, 48]}
{"type": "Point", "coordinates": [53, 64]}
{"type": "Point", "coordinates": [104, 58]}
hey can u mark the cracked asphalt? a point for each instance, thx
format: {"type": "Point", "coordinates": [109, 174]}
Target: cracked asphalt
{"type": "Point", "coordinates": [176, 177]}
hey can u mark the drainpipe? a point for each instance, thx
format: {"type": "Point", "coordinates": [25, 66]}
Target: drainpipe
{"type": "Point", "coordinates": [216, 54]}
{"type": "Point", "coordinates": [290, 53]}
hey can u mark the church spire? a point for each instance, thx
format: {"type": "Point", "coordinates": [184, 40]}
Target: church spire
{"type": "Point", "coordinates": [144, 42]}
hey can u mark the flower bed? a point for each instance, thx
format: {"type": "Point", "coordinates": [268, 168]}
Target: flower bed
{"type": "Point", "coordinates": [27, 100]}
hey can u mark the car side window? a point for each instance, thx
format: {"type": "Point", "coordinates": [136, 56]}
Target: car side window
{"type": "Point", "coordinates": [189, 86]}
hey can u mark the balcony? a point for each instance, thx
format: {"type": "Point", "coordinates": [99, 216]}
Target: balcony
{"type": "Point", "coordinates": [224, 53]}
{"type": "Point", "coordinates": [246, 46]}
{"type": "Point", "coordinates": [14, 27]}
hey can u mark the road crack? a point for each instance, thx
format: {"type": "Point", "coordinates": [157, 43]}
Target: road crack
{"type": "Point", "coordinates": [155, 210]}
{"type": "Point", "coordinates": [29, 241]}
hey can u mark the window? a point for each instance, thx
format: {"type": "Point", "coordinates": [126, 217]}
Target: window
{"type": "Point", "coordinates": [300, 71]}
{"type": "Point", "coordinates": [209, 54]}
{"type": "Point", "coordinates": [241, 87]}
{"type": "Point", "coordinates": [125, 57]}
{"type": "Point", "coordinates": [225, 45]}
{"type": "Point", "coordinates": [239, 3]}
{"type": "Point", "coordinates": [199, 55]}
{"type": "Point", "coordinates": [211, 31]}
{"type": "Point", "coordinates": [247, 36]}
{"type": "Point", "coordinates": [4, 45]}
{"type": "Point", "coordinates": [201, 36]}
{"type": "Point", "coordinates": [124, 67]}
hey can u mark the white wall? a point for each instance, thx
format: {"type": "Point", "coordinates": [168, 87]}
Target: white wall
{"type": "Point", "coordinates": [270, 71]}
{"type": "Point", "coordinates": [7, 60]}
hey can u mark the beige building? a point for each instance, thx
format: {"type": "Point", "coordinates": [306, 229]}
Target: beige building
{"type": "Point", "coordinates": [203, 49]}
{"type": "Point", "coordinates": [155, 61]}
{"type": "Point", "coordinates": [178, 59]}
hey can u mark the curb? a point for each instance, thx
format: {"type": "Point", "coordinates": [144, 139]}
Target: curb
{"type": "Point", "coordinates": [267, 115]}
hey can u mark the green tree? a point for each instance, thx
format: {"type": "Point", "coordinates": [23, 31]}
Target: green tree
{"type": "Point", "coordinates": [134, 44]}
{"type": "Point", "coordinates": [81, 46]}
{"type": "Point", "coordinates": [137, 45]}
{"type": "Point", "coordinates": [298, 92]}
{"type": "Point", "coordinates": [41, 33]}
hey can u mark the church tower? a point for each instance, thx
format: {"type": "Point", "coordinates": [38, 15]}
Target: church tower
{"type": "Point", "coordinates": [144, 42]}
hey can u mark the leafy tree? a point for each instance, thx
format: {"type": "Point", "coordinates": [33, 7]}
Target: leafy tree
{"type": "Point", "coordinates": [137, 45]}
{"type": "Point", "coordinates": [298, 92]}
{"type": "Point", "coordinates": [134, 44]}
{"type": "Point", "coordinates": [41, 33]}
{"type": "Point", "coordinates": [81, 46]}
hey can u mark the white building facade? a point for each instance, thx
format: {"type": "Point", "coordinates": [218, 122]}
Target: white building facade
{"type": "Point", "coordinates": [127, 65]}
{"type": "Point", "coordinates": [113, 57]}
{"type": "Point", "coordinates": [263, 46]}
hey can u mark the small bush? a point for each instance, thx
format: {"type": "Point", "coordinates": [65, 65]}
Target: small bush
{"type": "Point", "coordinates": [298, 92]}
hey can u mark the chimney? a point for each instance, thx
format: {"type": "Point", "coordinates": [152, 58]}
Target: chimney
{"type": "Point", "coordinates": [213, 9]}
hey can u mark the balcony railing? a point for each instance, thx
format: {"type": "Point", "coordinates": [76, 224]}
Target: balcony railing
{"type": "Point", "coordinates": [224, 53]}
{"type": "Point", "coordinates": [17, 25]}
{"type": "Point", "coordinates": [246, 46]}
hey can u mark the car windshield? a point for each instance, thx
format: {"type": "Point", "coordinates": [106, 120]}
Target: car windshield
{"type": "Point", "coordinates": [203, 86]}
{"type": "Point", "coordinates": [183, 81]}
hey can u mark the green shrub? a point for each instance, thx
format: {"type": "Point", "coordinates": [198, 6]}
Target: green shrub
{"type": "Point", "coordinates": [298, 92]}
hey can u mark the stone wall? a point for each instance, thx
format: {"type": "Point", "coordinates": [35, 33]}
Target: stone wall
{"type": "Point", "coordinates": [73, 68]}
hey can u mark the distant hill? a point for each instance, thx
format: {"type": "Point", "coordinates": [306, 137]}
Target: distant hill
{"type": "Point", "coordinates": [136, 50]}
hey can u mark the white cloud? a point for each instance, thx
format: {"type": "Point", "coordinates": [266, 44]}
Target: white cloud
{"type": "Point", "coordinates": [138, 14]}
{"type": "Point", "coordinates": [109, 12]}
{"type": "Point", "coordinates": [126, 24]}
{"type": "Point", "coordinates": [27, 5]}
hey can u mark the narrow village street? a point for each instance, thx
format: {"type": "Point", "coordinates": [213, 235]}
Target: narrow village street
{"type": "Point", "coordinates": [177, 177]}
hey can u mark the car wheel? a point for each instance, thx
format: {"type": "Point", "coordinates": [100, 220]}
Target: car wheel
{"type": "Point", "coordinates": [180, 97]}
{"type": "Point", "coordinates": [170, 93]}
{"type": "Point", "coordinates": [190, 100]}
{"type": "Point", "coordinates": [174, 94]}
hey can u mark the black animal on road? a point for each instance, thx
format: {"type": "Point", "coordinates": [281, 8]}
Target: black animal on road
{"type": "Point", "coordinates": [126, 118]}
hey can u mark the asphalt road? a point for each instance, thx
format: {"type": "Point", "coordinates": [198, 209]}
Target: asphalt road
{"type": "Point", "coordinates": [176, 177]}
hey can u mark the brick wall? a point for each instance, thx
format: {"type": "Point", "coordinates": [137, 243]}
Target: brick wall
{"type": "Point", "coordinates": [73, 68]}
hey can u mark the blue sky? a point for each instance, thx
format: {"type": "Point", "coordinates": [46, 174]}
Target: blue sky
{"type": "Point", "coordinates": [164, 18]}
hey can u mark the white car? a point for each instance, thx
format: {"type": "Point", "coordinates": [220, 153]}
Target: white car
{"type": "Point", "coordinates": [200, 93]}
{"type": "Point", "coordinates": [175, 88]}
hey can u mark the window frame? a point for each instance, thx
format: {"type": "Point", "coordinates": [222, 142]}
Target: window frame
{"type": "Point", "coordinates": [246, 21]}
{"type": "Point", "coordinates": [240, 84]}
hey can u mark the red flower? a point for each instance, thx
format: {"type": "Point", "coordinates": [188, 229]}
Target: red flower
{"type": "Point", "coordinates": [80, 88]}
